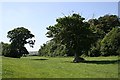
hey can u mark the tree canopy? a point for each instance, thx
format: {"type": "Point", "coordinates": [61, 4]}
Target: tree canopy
{"type": "Point", "coordinates": [80, 36]}
{"type": "Point", "coordinates": [18, 38]}
{"type": "Point", "coordinates": [104, 24]}
{"type": "Point", "coordinates": [110, 45]}
{"type": "Point", "coordinates": [73, 32]}
{"type": "Point", "coordinates": [101, 26]}
{"type": "Point", "coordinates": [71, 35]}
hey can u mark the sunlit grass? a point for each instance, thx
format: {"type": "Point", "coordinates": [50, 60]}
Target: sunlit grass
{"type": "Point", "coordinates": [59, 67]}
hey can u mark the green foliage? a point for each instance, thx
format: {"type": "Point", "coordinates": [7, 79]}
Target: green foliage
{"type": "Point", "coordinates": [110, 45]}
{"type": "Point", "coordinates": [52, 49]}
{"type": "Point", "coordinates": [78, 36]}
{"type": "Point", "coordinates": [108, 22]}
{"type": "Point", "coordinates": [8, 51]}
{"type": "Point", "coordinates": [5, 48]}
{"type": "Point", "coordinates": [95, 49]}
{"type": "Point", "coordinates": [18, 38]}
{"type": "Point", "coordinates": [73, 32]}
{"type": "Point", "coordinates": [101, 27]}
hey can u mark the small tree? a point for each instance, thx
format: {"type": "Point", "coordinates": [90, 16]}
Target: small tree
{"type": "Point", "coordinates": [72, 32]}
{"type": "Point", "coordinates": [52, 49]}
{"type": "Point", "coordinates": [18, 38]}
{"type": "Point", "coordinates": [110, 45]}
{"type": "Point", "coordinates": [5, 48]}
{"type": "Point", "coordinates": [95, 49]}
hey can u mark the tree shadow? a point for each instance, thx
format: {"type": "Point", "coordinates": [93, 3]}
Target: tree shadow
{"type": "Point", "coordinates": [102, 62]}
{"type": "Point", "coordinates": [98, 62]}
{"type": "Point", "coordinates": [40, 59]}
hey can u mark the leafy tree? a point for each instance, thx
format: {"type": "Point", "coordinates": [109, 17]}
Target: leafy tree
{"type": "Point", "coordinates": [52, 49]}
{"type": "Point", "coordinates": [95, 49]}
{"type": "Point", "coordinates": [18, 38]}
{"type": "Point", "coordinates": [108, 22]}
{"type": "Point", "coordinates": [1, 48]}
{"type": "Point", "coordinates": [101, 27]}
{"type": "Point", "coordinates": [110, 45]}
{"type": "Point", "coordinates": [73, 32]}
{"type": "Point", "coordinates": [5, 48]}
{"type": "Point", "coordinates": [45, 49]}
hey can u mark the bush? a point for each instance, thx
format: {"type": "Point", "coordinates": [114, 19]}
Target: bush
{"type": "Point", "coordinates": [95, 49]}
{"type": "Point", "coordinates": [52, 49]}
{"type": "Point", "coordinates": [9, 51]}
{"type": "Point", "coordinates": [110, 45]}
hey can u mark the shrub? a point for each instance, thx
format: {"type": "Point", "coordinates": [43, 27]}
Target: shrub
{"type": "Point", "coordinates": [110, 45]}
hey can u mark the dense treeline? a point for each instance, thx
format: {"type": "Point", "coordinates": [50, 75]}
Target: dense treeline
{"type": "Point", "coordinates": [105, 34]}
{"type": "Point", "coordinates": [54, 49]}
{"type": "Point", "coordinates": [71, 36]}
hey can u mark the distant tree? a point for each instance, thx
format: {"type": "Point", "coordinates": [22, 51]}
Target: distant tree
{"type": "Point", "coordinates": [95, 49]}
{"type": "Point", "coordinates": [5, 48]}
{"type": "Point", "coordinates": [52, 49]}
{"type": "Point", "coordinates": [110, 45]}
{"type": "Point", "coordinates": [101, 27]}
{"type": "Point", "coordinates": [1, 48]}
{"type": "Point", "coordinates": [18, 38]}
{"type": "Point", "coordinates": [107, 22]}
{"type": "Point", "coordinates": [73, 32]}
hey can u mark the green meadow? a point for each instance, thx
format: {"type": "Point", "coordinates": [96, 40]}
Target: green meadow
{"type": "Point", "coordinates": [59, 67]}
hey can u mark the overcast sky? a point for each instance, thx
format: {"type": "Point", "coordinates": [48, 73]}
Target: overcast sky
{"type": "Point", "coordinates": [36, 16]}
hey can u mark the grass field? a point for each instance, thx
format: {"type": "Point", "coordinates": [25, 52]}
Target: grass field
{"type": "Point", "coordinates": [48, 67]}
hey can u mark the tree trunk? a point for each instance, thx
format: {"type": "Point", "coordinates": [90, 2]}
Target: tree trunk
{"type": "Point", "coordinates": [78, 59]}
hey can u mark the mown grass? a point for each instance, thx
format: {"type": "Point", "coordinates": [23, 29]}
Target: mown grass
{"type": "Point", "coordinates": [59, 67]}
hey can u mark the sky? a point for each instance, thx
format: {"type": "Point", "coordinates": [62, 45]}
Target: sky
{"type": "Point", "coordinates": [36, 16]}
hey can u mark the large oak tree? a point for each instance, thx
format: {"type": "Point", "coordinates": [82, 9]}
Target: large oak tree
{"type": "Point", "coordinates": [73, 32]}
{"type": "Point", "coordinates": [18, 38]}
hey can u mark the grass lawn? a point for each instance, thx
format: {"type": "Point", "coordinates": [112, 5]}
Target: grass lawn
{"type": "Point", "coordinates": [59, 67]}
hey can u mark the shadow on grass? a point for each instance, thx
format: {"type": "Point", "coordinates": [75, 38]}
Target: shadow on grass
{"type": "Point", "coordinates": [98, 62]}
{"type": "Point", "coordinates": [40, 59]}
{"type": "Point", "coordinates": [103, 62]}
